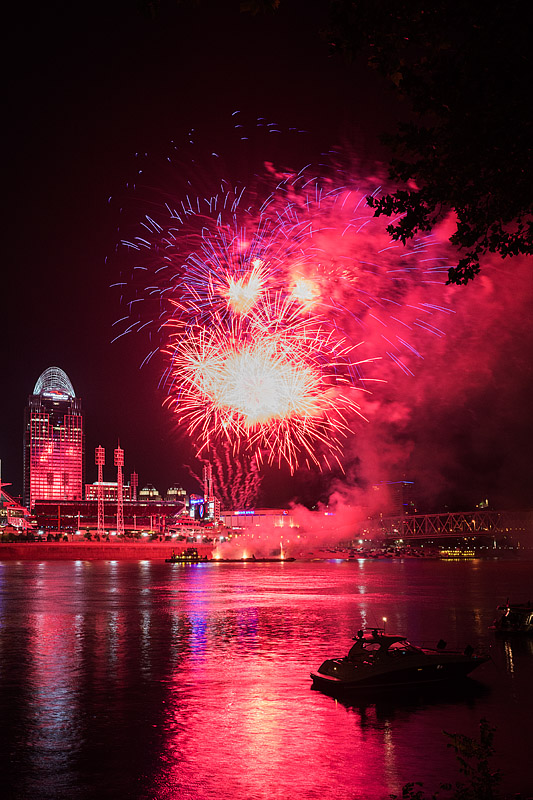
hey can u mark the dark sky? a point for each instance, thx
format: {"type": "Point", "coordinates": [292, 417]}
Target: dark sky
{"type": "Point", "coordinates": [88, 87]}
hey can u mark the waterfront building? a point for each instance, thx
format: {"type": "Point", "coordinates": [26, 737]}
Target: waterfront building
{"type": "Point", "coordinates": [71, 516]}
{"type": "Point", "coordinates": [176, 493]}
{"type": "Point", "coordinates": [12, 513]}
{"type": "Point", "coordinates": [109, 491]}
{"type": "Point", "coordinates": [149, 494]}
{"type": "Point", "coordinates": [53, 441]}
{"type": "Point", "coordinates": [246, 520]}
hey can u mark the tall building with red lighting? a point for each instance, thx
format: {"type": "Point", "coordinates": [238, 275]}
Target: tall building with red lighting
{"type": "Point", "coordinates": [53, 441]}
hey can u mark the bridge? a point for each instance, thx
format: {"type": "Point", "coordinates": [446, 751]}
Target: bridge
{"type": "Point", "coordinates": [493, 524]}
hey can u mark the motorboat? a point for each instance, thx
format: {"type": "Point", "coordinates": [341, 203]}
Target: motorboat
{"type": "Point", "coordinates": [187, 556]}
{"type": "Point", "coordinates": [377, 659]}
{"type": "Point", "coordinates": [514, 618]}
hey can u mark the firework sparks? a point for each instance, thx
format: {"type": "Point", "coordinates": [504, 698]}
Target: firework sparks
{"type": "Point", "coordinates": [261, 312]}
{"type": "Point", "coordinates": [305, 291]}
{"type": "Point", "coordinates": [243, 293]}
{"type": "Point", "coordinates": [265, 385]}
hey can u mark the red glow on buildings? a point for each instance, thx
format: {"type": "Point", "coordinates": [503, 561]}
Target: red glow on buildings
{"type": "Point", "coordinates": [53, 441]}
{"type": "Point", "coordinates": [109, 491]}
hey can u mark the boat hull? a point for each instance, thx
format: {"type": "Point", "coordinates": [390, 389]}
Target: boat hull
{"type": "Point", "coordinates": [428, 673]}
{"type": "Point", "coordinates": [199, 560]}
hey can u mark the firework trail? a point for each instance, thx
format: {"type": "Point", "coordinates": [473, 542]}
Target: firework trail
{"type": "Point", "coordinates": [274, 307]}
{"type": "Point", "coordinates": [237, 479]}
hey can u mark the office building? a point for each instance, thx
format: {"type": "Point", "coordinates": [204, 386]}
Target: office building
{"type": "Point", "coordinates": [395, 498]}
{"type": "Point", "coordinates": [53, 441]}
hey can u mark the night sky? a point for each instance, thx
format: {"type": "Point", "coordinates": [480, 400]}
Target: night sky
{"type": "Point", "coordinates": [87, 88]}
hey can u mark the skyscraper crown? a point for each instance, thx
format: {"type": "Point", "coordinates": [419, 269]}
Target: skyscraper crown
{"type": "Point", "coordinates": [54, 381]}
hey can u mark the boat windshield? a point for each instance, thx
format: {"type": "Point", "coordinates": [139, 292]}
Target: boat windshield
{"type": "Point", "coordinates": [371, 647]}
{"type": "Point", "coordinates": [364, 648]}
{"type": "Point", "coordinates": [402, 648]}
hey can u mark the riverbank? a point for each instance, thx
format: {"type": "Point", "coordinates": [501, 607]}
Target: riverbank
{"type": "Point", "coordinates": [157, 551]}
{"type": "Point", "coordinates": [94, 551]}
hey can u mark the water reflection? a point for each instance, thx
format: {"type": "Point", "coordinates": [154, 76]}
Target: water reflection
{"type": "Point", "coordinates": [47, 687]}
{"type": "Point", "coordinates": [131, 680]}
{"type": "Point", "coordinates": [514, 653]}
{"type": "Point", "coordinates": [388, 704]}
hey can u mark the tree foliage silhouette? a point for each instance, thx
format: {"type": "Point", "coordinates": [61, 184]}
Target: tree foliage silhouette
{"type": "Point", "coordinates": [465, 69]}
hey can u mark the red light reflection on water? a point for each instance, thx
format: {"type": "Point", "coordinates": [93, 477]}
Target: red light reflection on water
{"type": "Point", "coordinates": [248, 736]}
{"type": "Point", "coordinates": [244, 722]}
{"type": "Point", "coordinates": [136, 680]}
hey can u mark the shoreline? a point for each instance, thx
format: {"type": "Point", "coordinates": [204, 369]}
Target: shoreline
{"type": "Point", "coordinates": [93, 551]}
{"type": "Point", "coordinates": [160, 551]}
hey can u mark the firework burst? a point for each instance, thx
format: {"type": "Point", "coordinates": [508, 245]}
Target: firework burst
{"type": "Point", "coordinates": [265, 304]}
{"type": "Point", "coordinates": [263, 384]}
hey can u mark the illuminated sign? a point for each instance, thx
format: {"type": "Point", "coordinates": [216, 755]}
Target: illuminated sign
{"type": "Point", "coordinates": [248, 513]}
{"type": "Point", "coordinates": [54, 395]}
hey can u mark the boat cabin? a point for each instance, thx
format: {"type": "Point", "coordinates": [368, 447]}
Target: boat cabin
{"type": "Point", "coordinates": [376, 643]}
{"type": "Point", "coordinates": [515, 617]}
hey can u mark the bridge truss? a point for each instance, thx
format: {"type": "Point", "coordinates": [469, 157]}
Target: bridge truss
{"type": "Point", "coordinates": [466, 524]}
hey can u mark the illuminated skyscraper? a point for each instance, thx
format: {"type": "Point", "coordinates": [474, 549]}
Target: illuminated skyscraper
{"type": "Point", "coordinates": [53, 441]}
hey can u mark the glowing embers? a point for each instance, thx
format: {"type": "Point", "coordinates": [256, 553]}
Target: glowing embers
{"type": "Point", "coordinates": [243, 292]}
{"type": "Point", "coordinates": [305, 291]}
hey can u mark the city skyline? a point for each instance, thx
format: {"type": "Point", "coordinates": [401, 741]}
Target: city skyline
{"type": "Point", "coordinates": [466, 428]}
{"type": "Point", "coordinates": [266, 335]}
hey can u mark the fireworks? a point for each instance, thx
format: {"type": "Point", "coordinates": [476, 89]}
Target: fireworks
{"type": "Point", "coordinates": [237, 479]}
{"type": "Point", "coordinates": [243, 292]}
{"type": "Point", "coordinates": [265, 304]}
{"type": "Point", "coordinates": [271, 387]}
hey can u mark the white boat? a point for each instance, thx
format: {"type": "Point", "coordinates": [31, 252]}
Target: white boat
{"type": "Point", "coordinates": [514, 618]}
{"type": "Point", "coordinates": [378, 659]}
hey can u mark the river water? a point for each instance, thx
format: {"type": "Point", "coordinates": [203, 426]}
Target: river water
{"type": "Point", "coordinates": [151, 680]}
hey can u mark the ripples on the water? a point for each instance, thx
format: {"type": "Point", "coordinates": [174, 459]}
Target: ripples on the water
{"type": "Point", "coordinates": [149, 680]}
